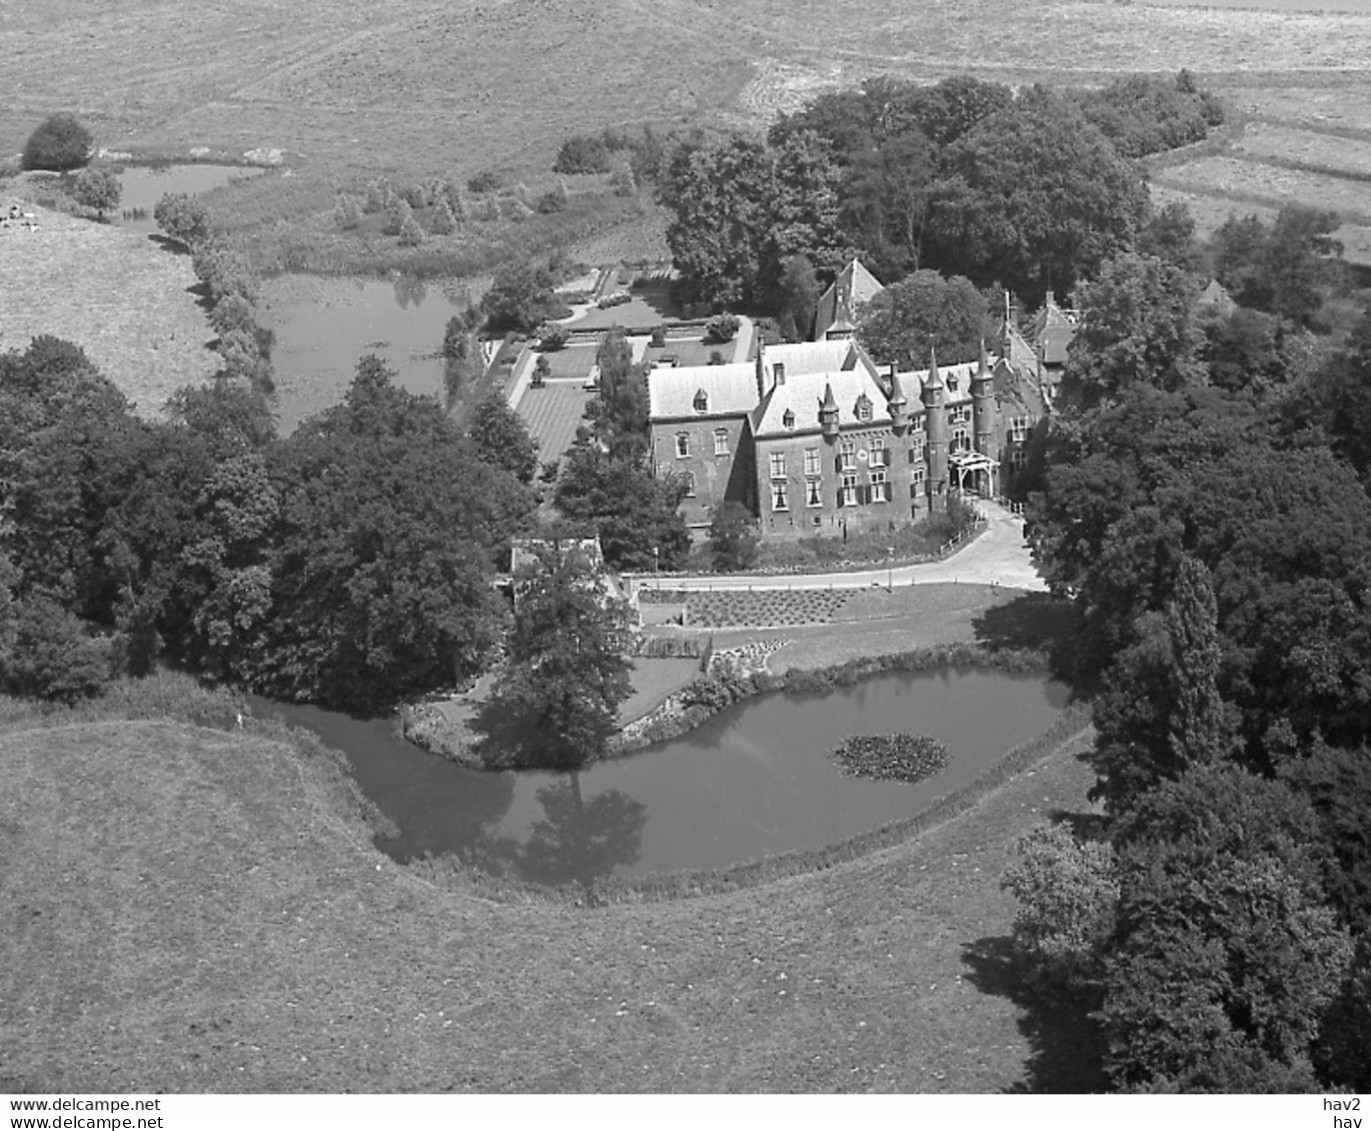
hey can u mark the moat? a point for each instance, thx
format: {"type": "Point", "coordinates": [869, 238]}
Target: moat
{"type": "Point", "coordinates": [754, 781]}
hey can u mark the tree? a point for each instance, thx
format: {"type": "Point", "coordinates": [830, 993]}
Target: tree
{"type": "Point", "coordinates": [442, 222]}
{"type": "Point", "coordinates": [732, 537]}
{"type": "Point", "coordinates": [184, 219]}
{"type": "Point", "coordinates": [633, 513]}
{"type": "Point", "coordinates": [565, 672]}
{"type": "Point", "coordinates": [97, 188]}
{"type": "Point", "coordinates": [52, 655]}
{"type": "Point", "coordinates": [501, 438]}
{"type": "Point", "coordinates": [925, 310]}
{"type": "Point", "coordinates": [1067, 890]}
{"type": "Point", "coordinates": [1225, 954]}
{"type": "Point", "coordinates": [520, 299]}
{"type": "Point", "coordinates": [719, 194]}
{"type": "Point", "coordinates": [60, 142]}
{"type": "Point", "coordinates": [797, 296]}
{"type": "Point", "coordinates": [1035, 198]}
{"type": "Point", "coordinates": [390, 529]}
{"type": "Point", "coordinates": [1283, 269]}
{"type": "Point", "coordinates": [411, 235]}
{"type": "Point", "coordinates": [1137, 326]}
{"type": "Point", "coordinates": [618, 414]}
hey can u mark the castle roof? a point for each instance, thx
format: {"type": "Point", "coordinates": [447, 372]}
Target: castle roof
{"type": "Point", "coordinates": [956, 378]}
{"type": "Point", "coordinates": [804, 393]}
{"type": "Point", "coordinates": [813, 357]}
{"type": "Point", "coordinates": [1053, 329]}
{"type": "Point", "coordinates": [1216, 297]}
{"type": "Point", "coordinates": [837, 309]}
{"type": "Point", "coordinates": [729, 389]}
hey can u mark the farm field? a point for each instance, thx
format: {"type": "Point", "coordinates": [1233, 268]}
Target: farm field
{"type": "Point", "coordinates": [1242, 182]}
{"type": "Point", "coordinates": [122, 297]}
{"type": "Point", "coordinates": [415, 88]}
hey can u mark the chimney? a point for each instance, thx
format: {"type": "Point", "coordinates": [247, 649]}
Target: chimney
{"type": "Point", "coordinates": [778, 373]}
{"type": "Point", "coordinates": [761, 368]}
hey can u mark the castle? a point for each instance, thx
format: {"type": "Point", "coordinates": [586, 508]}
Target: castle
{"type": "Point", "coordinates": [812, 438]}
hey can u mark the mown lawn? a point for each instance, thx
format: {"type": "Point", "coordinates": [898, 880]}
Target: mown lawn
{"type": "Point", "coordinates": [190, 910]}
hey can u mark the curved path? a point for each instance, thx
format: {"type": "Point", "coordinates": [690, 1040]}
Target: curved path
{"type": "Point", "coordinates": [998, 556]}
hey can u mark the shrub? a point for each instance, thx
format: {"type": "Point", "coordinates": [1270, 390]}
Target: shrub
{"type": "Point", "coordinates": [183, 218]}
{"type": "Point", "coordinates": [582, 154]}
{"type": "Point", "coordinates": [552, 201]}
{"type": "Point", "coordinates": [375, 200]}
{"type": "Point", "coordinates": [658, 340]}
{"type": "Point", "coordinates": [716, 358]}
{"type": "Point", "coordinates": [415, 195]}
{"type": "Point", "coordinates": [721, 328]}
{"type": "Point", "coordinates": [60, 142]}
{"type": "Point", "coordinates": [441, 221]}
{"type": "Point", "coordinates": [552, 340]}
{"type": "Point", "coordinates": [487, 180]}
{"type": "Point", "coordinates": [97, 188]}
{"type": "Point", "coordinates": [347, 214]}
{"type": "Point", "coordinates": [541, 372]}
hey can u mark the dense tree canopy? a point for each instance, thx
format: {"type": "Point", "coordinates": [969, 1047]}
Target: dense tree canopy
{"type": "Point", "coordinates": [1034, 198]}
{"type": "Point", "coordinates": [1032, 190]}
{"type": "Point", "coordinates": [924, 311]}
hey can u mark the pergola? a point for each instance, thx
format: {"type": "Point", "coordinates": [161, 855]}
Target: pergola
{"type": "Point", "coordinates": [971, 464]}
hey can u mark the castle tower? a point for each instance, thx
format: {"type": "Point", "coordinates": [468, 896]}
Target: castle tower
{"type": "Point", "coordinates": [828, 414]}
{"type": "Point", "coordinates": [984, 417]}
{"type": "Point", "coordinates": [934, 396]}
{"type": "Point", "coordinates": [983, 406]}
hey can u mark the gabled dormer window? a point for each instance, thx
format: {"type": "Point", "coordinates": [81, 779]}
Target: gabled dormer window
{"type": "Point", "coordinates": [863, 407]}
{"type": "Point", "coordinates": [788, 419]}
{"type": "Point", "coordinates": [701, 401]}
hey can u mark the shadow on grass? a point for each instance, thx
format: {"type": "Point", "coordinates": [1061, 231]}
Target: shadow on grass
{"type": "Point", "coordinates": [1035, 621]}
{"type": "Point", "coordinates": [1064, 1043]}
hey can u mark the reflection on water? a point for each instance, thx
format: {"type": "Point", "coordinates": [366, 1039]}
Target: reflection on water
{"type": "Point", "coordinates": [754, 781]}
{"type": "Point", "coordinates": [324, 326]}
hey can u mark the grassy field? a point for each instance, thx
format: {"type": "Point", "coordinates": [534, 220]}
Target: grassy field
{"type": "Point", "coordinates": [418, 88]}
{"type": "Point", "coordinates": [125, 299]}
{"type": "Point", "coordinates": [187, 910]}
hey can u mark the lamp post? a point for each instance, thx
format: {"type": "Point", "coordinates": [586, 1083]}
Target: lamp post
{"type": "Point", "coordinates": [656, 564]}
{"type": "Point", "coordinates": [890, 569]}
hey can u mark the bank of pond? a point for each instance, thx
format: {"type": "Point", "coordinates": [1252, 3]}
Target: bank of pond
{"type": "Point", "coordinates": [755, 781]}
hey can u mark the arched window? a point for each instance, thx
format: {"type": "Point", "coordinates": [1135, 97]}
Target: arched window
{"type": "Point", "coordinates": [689, 478]}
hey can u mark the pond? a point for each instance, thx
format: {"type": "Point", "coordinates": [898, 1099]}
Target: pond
{"type": "Point", "coordinates": [754, 781]}
{"type": "Point", "coordinates": [145, 185]}
{"type": "Point", "coordinates": [323, 326]}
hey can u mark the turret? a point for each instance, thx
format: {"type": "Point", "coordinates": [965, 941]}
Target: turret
{"type": "Point", "coordinates": [828, 414]}
{"type": "Point", "coordinates": [934, 396]}
{"type": "Point", "coordinates": [983, 408]}
{"type": "Point", "coordinates": [899, 417]}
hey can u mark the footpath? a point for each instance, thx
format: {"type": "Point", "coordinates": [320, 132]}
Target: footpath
{"type": "Point", "coordinates": [997, 556]}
